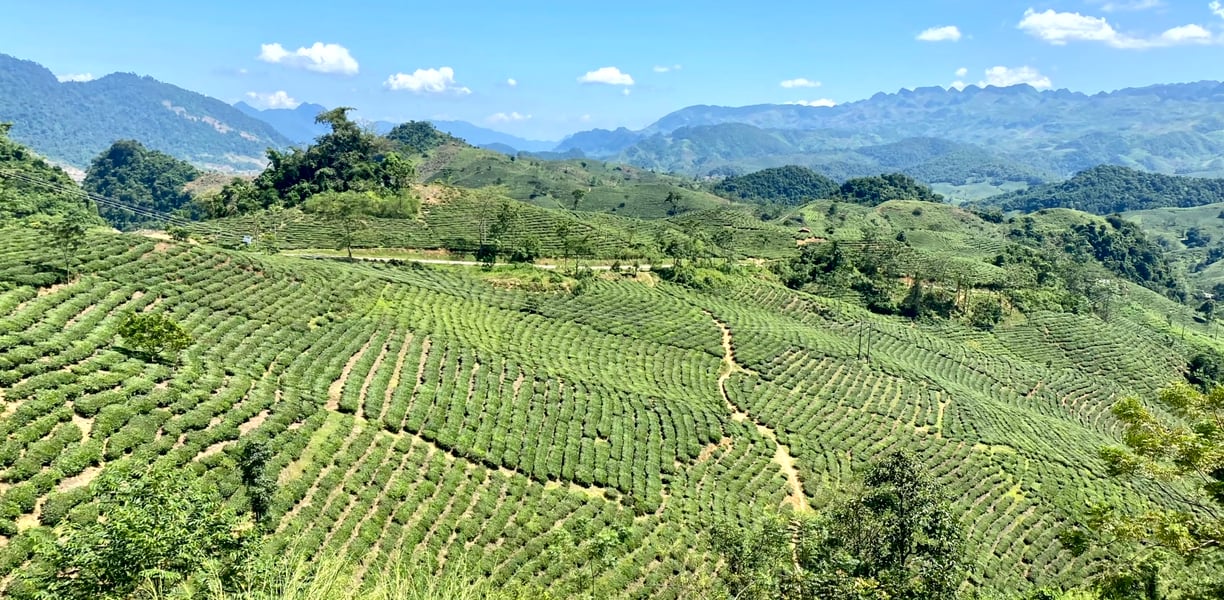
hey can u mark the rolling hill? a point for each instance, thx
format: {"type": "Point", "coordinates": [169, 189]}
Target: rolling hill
{"type": "Point", "coordinates": [72, 122]}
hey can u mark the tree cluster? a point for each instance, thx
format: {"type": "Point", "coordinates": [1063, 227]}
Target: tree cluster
{"type": "Point", "coordinates": [348, 159]}
{"type": "Point", "coordinates": [135, 176]}
{"type": "Point", "coordinates": [1109, 189]}
{"type": "Point", "coordinates": [790, 185]}
{"type": "Point", "coordinates": [897, 538]}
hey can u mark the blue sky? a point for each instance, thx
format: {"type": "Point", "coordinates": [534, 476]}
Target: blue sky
{"type": "Point", "coordinates": [545, 69]}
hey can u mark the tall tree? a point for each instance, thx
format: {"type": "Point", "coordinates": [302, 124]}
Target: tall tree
{"type": "Point", "coordinates": [1184, 452]}
{"type": "Point", "coordinates": [897, 538]}
{"type": "Point", "coordinates": [68, 231]}
{"type": "Point", "coordinates": [154, 529]}
{"type": "Point", "coordinates": [344, 210]}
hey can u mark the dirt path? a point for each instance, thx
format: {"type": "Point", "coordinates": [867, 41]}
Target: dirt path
{"type": "Point", "coordinates": [782, 456]}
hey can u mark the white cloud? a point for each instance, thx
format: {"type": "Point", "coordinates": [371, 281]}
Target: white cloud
{"type": "Point", "coordinates": [1186, 34]}
{"type": "Point", "coordinates": [823, 102]}
{"type": "Point", "coordinates": [961, 72]}
{"type": "Point", "coordinates": [608, 75]}
{"type": "Point", "coordinates": [1058, 28]}
{"type": "Point", "coordinates": [320, 58]}
{"type": "Point", "coordinates": [512, 82]}
{"type": "Point", "coordinates": [958, 85]}
{"type": "Point", "coordinates": [1217, 9]}
{"type": "Point", "coordinates": [427, 81]}
{"type": "Point", "coordinates": [947, 33]}
{"type": "Point", "coordinates": [800, 82]}
{"type": "Point", "coordinates": [1124, 5]}
{"type": "Point", "coordinates": [509, 117]}
{"type": "Point", "coordinates": [277, 99]}
{"type": "Point", "coordinates": [77, 77]}
{"type": "Point", "coordinates": [665, 68]}
{"type": "Point", "coordinates": [626, 92]}
{"type": "Point", "coordinates": [1007, 76]}
{"type": "Point", "coordinates": [585, 118]}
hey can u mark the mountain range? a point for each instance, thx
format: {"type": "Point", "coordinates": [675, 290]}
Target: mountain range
{"type": "Point", "coordinates": [298, 125]}
{"type": "Point", "coordinates": [993, 137]}
{"type": "Point", "coordinates": [1171, 128]}
{"type": "Point", "coordinates": [72, 122]}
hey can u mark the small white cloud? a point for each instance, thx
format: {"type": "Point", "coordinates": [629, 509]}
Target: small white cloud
{"type": "Point", "coordinates": [427, 81]}
{"type": "Point", "coordinates": [800, 82]}
{"type": "Point", "coordinates": [823, 102]}
{"type": "Point", "coordinates": [1059, 28]}
{"type": "Point", "coordinates": [320, 58]}
{"type": "Point", "coordinates": [1008, 76]}
{"type": "Point", "coordinates": [666, 68]}
{"type": "Point", "coordinates": [1217, 9]}
{"type": "Point", "coordinates": [277, 99]}
{"type": "Point", "coordinates": [512, 82]}
{"type": "Point", "coordinates": [509, 117]}
{"type": "Point", "coordinates": [958, 85]}
{"type": "Point", "coordinates": [77, 77]}
{"type": "Point", "coordinates": [585, 118]}
{"type": "Point", "coordinates": [1127, 5]}
{"type": "Point", "coordinates": [626, 92]}
{"type": "Point", "coordinates": [946, 33]}
{"type": "Point", "coordinates": [1186, 34]}
{"type": "Point", "coordinates": [961, 72]}
{"type": "Point", "coordinates": [608, 75]}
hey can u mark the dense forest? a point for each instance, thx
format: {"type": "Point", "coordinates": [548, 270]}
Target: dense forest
{"type": "Point", "coordinates": [1108, 189]}
{"type": "Point", "coordinates": [152, 182]}
{"type": "Point", "coordinates": [789, 185]}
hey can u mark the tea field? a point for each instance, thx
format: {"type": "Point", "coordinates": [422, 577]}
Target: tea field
{"type": "Point", "coordinates": [430, 412]}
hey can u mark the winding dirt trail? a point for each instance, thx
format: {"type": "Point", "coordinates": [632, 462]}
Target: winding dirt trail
{"type": "Point", "coordinates": [782, 456]}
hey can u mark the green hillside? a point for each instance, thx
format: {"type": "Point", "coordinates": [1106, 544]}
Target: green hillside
{"type": "Point", "coordinates": [603, 187]}
{"type": "Point", "coordinates": [445, 413]}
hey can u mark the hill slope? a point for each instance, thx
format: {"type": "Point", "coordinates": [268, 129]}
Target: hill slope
{"type": "Point", "coordinates": [438, 412]}
{"type": "Point", "coordinates": [73, 122]}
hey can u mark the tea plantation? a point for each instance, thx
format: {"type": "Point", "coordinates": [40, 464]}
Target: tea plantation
{"type": "Point", "coordinates": [437, 413]}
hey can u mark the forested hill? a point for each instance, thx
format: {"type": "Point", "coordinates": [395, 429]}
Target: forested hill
{"type": "Point", "coordinates": [72, 122]}
{"type": "Point", "coordinates": [1110, 189]}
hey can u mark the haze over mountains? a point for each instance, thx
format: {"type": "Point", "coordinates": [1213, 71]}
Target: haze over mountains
{"type": "Point", "coordinates": [989, 135]}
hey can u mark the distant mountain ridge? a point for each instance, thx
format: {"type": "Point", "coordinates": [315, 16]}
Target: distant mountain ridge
{"type": "Point", "coordinates": [72, 122]}
{"type": "Point", "coordinates": [298, 125]}
{"type": "Point", "coordinates": [1169, 128]}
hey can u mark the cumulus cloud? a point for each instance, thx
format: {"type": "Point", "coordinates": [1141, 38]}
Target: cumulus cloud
{"type": "Point", "coordinates": [946, 33]}
{"type": "Point", "coordinates": [427, 81]}
{"type": "Point", "coordinates": [666, 68]}
{"type": "Point", "coordinates": [320, 58]}
{"type": "Point", "coordinates": [512, 82]}
{"type": "Point", "coordinates": [800, 82]}
{"type": "Point", "coordinates": [1217, 9]}
{"type": "Point", "coordinates": [509, 117]}
{"type": "Point", "coordinates": [1059, 28]}
{"type": "Point", "coordinates": [277, 99]}
{"type": "Point", "coordinates": [608, 75]}
{"type": "Point", "coordinates": [77, 77]}
{"type": "Point", "coordinates": [961, 72]}
{"type": "Point", "coordinates": [825, 102]}
{"type": "Point", "coordinates": [1008, 76]}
